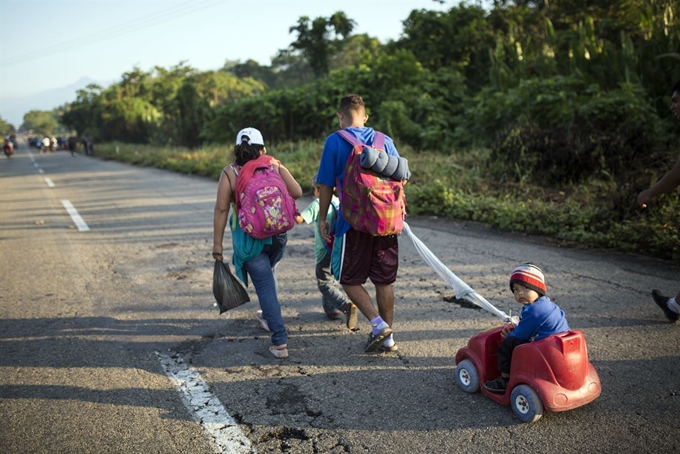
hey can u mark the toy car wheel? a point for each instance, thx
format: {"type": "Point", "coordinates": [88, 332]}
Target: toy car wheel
{"type": "Point", "coordinates": [526, 404]}
{"type": "Point", "coordinates": [467, 376]}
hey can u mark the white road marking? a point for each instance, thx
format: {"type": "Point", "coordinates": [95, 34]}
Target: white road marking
{"type": "Point", "coordinates": [80, 223]}
{"type": "Point", "coordinates": [41, 171]}
{"type": "Point", "coordinates": [49, 182]}
{"type": "Point", "coordinates": [205, 408]}
{"type": "Point", "coordinates": [35, 164]}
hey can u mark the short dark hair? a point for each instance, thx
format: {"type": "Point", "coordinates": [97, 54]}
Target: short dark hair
{"type": "Point", "coordinates": [675, 87]}
{"type": "Point", "coordinates": [351, 102]}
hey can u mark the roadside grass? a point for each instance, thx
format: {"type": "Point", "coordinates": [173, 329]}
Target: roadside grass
{"type": "Point", "coordinates": [456, 186]}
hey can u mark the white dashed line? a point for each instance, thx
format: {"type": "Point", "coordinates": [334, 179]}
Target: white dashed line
{"type": "Point", "coordinates": [205, 408]}
{"type": "Point", "coordinates": [49, 182]}
{"type": "Point", "coordinates": [41, 171]}
{"type": "Point", "coordinates": [80, 223]}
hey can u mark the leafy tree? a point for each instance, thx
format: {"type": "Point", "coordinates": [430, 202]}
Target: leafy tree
{"type": "Point", "coordinates": [192, 108]}
{"type": "Point", "coordinates": [130, 120]}
{"type": "Point", "coordinates": [253, 70]}
{"type": "Point", "coordinates": [458, 39]}
{"type": "Point", "coordinates": [314, 39]}
{"type": "Point", "coordinates": [219, 87]}
{"type": "Point", "coordinates": [6, 128]}
{"type": "Point", "coordinates": [355, 50]}
{"type": "Point", "coordinates": [291, 69]}
{"type": "Point", "coordinates": [135, 83]}
{"type": "Point", "coordinates": [40, 121]}
{"type": "Point", "coordinates": [84, 114]}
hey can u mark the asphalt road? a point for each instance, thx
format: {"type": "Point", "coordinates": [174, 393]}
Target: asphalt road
{"type": "Point", "coordinates": [110, 341]}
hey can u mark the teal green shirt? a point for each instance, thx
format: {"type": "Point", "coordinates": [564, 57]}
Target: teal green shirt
{"type": "Point", "coordinates": [245, 246]}
{"type": "Point", "coordinates": [311, 214]}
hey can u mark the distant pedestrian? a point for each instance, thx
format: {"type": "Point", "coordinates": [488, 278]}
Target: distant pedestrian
{"type": "Point", "coordinates": [87, 144]}
{"type": "Point", "coordinates": [72, 145]}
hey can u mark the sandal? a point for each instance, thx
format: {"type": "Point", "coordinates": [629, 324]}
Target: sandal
{"type": "Point", "coordinates": [352, 314]}
{"type": "Point", "coordinates": [280, 351]}
{"type": "Point", "coordinates": [263, 322]}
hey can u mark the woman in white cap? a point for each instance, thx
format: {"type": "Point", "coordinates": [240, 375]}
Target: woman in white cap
{"type": "Point", "coordinates": [253, 257]}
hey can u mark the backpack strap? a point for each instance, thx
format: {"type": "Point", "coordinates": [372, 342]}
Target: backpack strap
{"type": "Point", "coordinates": [378, 140]}
{"type": "Point", "coordinates": [349, 137]}
{"type": "Point", "coordinates": [249, 168]}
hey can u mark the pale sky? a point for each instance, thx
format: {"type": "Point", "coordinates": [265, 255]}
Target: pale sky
{"type": "Point", "coordinates": [48, 44]}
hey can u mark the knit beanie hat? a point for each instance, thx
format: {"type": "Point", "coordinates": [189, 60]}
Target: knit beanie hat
{"type": "Point", "coordinates": [530, 276]}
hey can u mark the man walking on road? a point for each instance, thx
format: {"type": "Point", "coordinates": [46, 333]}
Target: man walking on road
{"type": "Point", "coordinates": [670, 181]}
{"type": "Point", "coordinates": [357, 255]}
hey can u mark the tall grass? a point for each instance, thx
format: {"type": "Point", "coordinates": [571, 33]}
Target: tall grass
{"type": "Point", "coordinates": [457, 186]}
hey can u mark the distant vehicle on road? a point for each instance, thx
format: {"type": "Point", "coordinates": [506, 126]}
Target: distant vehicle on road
{"type": "Point", "coordinates": [8, 148]}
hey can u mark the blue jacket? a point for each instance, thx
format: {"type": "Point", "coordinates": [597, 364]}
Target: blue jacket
{"type": "Point", "coordinates": [540, 319]}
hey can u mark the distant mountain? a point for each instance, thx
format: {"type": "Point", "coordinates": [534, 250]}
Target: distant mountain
{"type": "Point", "coordinates": [12, 109]}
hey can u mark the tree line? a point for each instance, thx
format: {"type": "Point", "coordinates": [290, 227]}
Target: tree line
{"type": "Point", "coordinates": [560, 90]}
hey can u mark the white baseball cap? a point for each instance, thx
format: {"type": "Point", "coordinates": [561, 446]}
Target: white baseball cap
{"type": "Point", "coordinates": [253, 136]}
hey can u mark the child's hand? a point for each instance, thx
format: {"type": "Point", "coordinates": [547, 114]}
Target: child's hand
{"type": "Point", "coordinates": [506, 330]}
{"type": "Point", "coordinates": [299, 220]}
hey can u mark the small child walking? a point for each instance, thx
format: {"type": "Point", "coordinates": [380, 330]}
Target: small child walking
{"type": "Point", "coordinates": [333, 300]}
{"type": "Point", "coordinates": [538, 319]}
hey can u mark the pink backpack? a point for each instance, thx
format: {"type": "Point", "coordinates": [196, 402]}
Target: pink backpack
{"type": "Point", "coordinates": [263, 205]}
{"type": "Point", "coordinates": [371, 202]}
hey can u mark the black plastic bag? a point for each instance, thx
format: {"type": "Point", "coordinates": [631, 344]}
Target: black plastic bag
{"type": "Point", "coordinates": [228, 291]}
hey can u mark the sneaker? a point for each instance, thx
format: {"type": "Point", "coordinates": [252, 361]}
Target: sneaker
{"type": "Point", "coordinates": [352, 314]}
{"type": "Point", "coordinates": [391, 349]}
{"type": "Point", "coordinates": [280, 351]}
{"type": "Point", "coordinates": [263, 322]}
{"type": "Point", "coordinates": [498, 385]}
{"type": "Point", "coordinates": [376, 340]}
{"type": "Point", "coordinates": [662, 301]}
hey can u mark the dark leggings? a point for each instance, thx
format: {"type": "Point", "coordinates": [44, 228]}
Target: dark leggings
{"type": "Point", "coordinates": [505, 352]}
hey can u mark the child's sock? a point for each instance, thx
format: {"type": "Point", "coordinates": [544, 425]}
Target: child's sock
{"type": "Point", "coordinates": [389, 341]}
{"type": "Point", "coordinates": [378, 324]}
{"type": "Point", "coordinates": [673, 305]}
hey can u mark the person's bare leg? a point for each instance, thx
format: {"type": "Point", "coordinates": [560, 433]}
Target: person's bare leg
{"type": "Point", "coordinates": [384, 294]}
{"type": "Point", "coordinates": [360, 297]}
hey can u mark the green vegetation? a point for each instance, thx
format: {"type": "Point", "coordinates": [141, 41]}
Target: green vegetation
{"type": "Point", "coordinates": [5, 128]}
{"type": "Point", "coordinates": [542, 117]}
{"type": "Point", "coordinates": [458, 186]}
{"type": "Point", "coordinates": [44, 123]}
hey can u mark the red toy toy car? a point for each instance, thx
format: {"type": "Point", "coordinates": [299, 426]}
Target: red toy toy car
{"type": "Point", "coordinates": [552, 374]}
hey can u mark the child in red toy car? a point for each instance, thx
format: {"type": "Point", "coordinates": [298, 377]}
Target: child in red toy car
{"type": "Point", "coordinates": [538, 319]}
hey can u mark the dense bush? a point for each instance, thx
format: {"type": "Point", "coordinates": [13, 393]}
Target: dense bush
{"type": "Point", "coordinates": [571, 132]}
